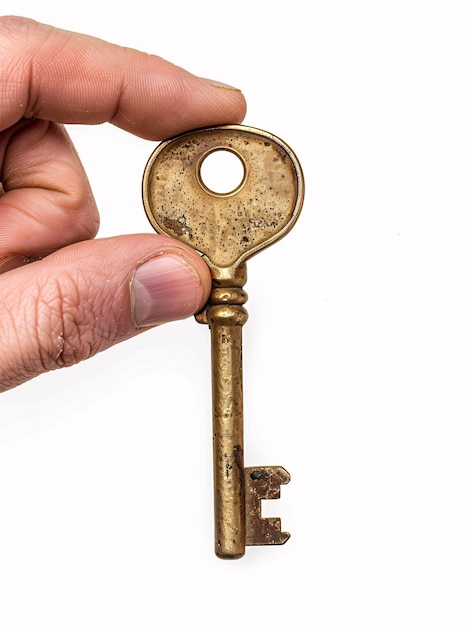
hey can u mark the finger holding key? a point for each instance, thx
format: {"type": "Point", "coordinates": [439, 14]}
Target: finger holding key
{"type": "Point", "coordinates": [71, 78]}
{"type": "Point", "coordinates": [87, 297]}
{"type": "Point", "coordinates": [58, 312]}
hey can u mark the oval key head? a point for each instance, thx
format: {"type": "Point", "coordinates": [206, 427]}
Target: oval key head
{"type": "Point", "coordinates": [229, 227]}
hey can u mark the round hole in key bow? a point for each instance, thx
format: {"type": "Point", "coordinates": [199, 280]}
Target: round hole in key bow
{"type": "Point", "coordinates": [222, 172]}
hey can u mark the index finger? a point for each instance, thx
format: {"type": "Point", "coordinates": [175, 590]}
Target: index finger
{"type": "Point", "coordinates": [66, 77]}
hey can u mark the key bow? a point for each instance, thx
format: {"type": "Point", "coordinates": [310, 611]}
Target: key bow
{"type": "Point", "coordinates": [226, 228]}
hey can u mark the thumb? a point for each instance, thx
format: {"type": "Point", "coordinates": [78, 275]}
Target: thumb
{"type": "Point", "coordinates": [91, 295]}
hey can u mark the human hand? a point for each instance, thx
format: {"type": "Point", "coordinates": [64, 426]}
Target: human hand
{"type": "Point", "coordinates": [60, 302]}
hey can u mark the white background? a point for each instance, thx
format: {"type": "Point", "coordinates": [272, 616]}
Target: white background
{"type": "Point", "coordinates": [356, 353]}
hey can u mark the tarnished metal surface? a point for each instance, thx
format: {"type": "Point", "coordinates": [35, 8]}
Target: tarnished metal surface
{"type": "Point", "coordinates": [228, 228]}
{"type": "Point", "coordinates": [225, 228]}
{"type": "Point", "coordinates": [263, 483]}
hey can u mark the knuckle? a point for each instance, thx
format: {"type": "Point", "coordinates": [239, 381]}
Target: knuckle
{"type": "Point", "coordinates": [15, 67]}
{"type": "Point", "coordinates": [57, 323]}
{"type": "Point", "coordinates": [66, 324]}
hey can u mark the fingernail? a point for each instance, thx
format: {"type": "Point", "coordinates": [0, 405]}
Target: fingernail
{"type": "Point", "coordinates": [17, 261]}
{"type": "Point", "coordinates": [219, 85]}
{"type": "Point", "coordinates": [163, 289]}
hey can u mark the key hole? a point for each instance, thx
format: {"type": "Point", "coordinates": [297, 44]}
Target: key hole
{"type": "Point", "coordinates": [222, 172]}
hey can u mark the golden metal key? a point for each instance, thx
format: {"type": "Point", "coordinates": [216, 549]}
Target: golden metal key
{"type": "Point", "coordinates": [227, 228]}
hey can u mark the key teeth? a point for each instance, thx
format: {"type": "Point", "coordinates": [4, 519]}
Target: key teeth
{"type": "Point", "coordinates": [263, 483]}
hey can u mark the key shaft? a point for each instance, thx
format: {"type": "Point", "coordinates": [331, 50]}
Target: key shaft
{"type": "Point", "coordinates": [226, 316]}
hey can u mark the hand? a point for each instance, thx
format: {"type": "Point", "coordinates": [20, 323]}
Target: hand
{"type": "Point", "coordinates": [59, 301]}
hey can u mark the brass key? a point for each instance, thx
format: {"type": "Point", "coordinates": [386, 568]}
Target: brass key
{"type": "Point", "coordinates": [226, 229]}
